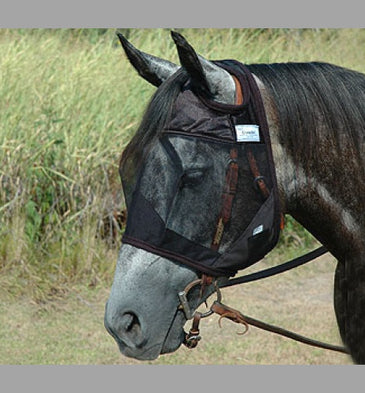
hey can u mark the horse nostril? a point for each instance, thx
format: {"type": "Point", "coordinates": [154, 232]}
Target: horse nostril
{"type": "Point", "coordinates": [128, 329]}
{"type": "Point", "coordinates": [129, 322]}
{"type": "Point", "coordinates": [125, 327]}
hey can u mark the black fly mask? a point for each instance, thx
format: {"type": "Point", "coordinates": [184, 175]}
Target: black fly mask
{"type": "Point", "coordinates": [233, 179]}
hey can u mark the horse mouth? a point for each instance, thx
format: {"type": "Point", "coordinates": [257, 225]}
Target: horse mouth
{"type": "Point", "coordinates": [150, 349]}
{"type": "Point", "coordinates": [171, 343]}
{"type": "Point", "coordinates": [144, 354]}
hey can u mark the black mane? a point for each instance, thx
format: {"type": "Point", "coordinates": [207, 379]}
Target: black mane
{"type": "Point", "coordinates": [316, 101]}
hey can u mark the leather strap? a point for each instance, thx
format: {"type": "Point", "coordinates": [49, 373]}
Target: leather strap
{"type": "Point", "coordinates": [231, 181]}
{"type": "Point", "coordinates": [260, 182]}
{"type": "Point", "coordinates": [239, 94]}
{"type": "Point", "coordinates": [192, 338]}
{"type": "Point", "coordinates": [258, 179]}
{"type": "Point", "coordinates": [272, 271]}
{"type": "Point", "coordinates": [229, 192]}
{"type": "Point", "coordinates": [235, 316]}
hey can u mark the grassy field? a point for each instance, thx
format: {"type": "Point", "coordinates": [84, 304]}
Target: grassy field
{"type": "Point", "coordinates": [69, 104]}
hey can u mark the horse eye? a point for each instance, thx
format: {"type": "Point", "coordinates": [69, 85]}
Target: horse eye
{"type": "Point", "coordinates": [192, 178]}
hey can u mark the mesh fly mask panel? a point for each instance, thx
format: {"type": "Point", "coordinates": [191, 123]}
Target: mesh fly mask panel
{"type": "Point", "coordinates": [203, 206]}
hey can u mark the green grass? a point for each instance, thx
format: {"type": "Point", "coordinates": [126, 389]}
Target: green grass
{"type": "Point", "coordinates": [70, 102]}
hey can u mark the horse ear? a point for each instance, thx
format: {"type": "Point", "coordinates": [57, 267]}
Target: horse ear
{"type": "Point", "coordinates": [206, 76]}
{"type": "Point", "coordinates": [151, 68]}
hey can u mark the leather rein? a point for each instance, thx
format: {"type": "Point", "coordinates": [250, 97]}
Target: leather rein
{"type": "Point", "coordinates": [193, 336]}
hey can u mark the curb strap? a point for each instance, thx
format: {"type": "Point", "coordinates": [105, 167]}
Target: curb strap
{"type": "Point", "coordinates": [235, 316]}
{"type": "Point", "coordinates": [192, 338]}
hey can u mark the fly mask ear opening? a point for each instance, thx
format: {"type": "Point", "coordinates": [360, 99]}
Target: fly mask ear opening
{"type": "Point", "coordinates": [151, 68]}
{"type": "Point", "coordinates": [207, 78]}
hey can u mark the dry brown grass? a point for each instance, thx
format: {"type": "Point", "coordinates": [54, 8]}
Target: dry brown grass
{"type": "Point", "coordinates": [70, 329]}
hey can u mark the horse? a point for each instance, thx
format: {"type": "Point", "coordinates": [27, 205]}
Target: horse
{"type": "Point", "coordinates": [316, 118]}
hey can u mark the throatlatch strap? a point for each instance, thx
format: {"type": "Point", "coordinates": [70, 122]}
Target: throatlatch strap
{"type": "Point", "coordinates": [260, 182]}
{"type": "Point", "coordinates": [258, 179]}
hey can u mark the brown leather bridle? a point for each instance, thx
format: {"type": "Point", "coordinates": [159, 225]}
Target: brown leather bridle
{"type": "Point", "coordinates": [229, 191]}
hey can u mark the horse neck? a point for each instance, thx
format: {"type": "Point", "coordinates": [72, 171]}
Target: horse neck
{"type": "Point", "coordinates": [332, 210]}
{"type": "Point", "coordinates": [317, 207]}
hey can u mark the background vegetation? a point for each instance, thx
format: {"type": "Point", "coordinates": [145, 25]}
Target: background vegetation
{"type": "Point", "coordinates": [69, 103]}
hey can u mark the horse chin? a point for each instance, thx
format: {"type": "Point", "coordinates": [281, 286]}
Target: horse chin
{"type": "Point", "coordinates": [175, 336]}
{"type": "Point", "coordinates": [147, 354]}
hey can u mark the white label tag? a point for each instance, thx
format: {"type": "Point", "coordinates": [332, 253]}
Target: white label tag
{"type": "Point", "coordinates": [257, 230]}
{"type": "Point", "coordinates": [247, 133]}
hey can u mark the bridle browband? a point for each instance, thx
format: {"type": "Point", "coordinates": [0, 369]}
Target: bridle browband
{"type": "Point", "coordinates": [229, 191]}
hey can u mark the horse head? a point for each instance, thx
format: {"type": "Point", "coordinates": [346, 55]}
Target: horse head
{"type": "Point", "coordinates": [179, 183]}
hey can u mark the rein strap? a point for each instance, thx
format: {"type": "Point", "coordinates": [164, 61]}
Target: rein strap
{"type": "Point", "coordinates": [192, 338]}
{"type": "Point", "coordinates": [272, 271]}
{"type": "Point", "coordinates": [235, 316]}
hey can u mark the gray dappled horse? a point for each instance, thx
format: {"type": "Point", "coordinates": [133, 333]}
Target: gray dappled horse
{"type": "Point", "coordinates": [316, 117]}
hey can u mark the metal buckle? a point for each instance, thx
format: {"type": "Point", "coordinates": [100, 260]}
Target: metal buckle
{"type": "Point", "coordinates": [184, 304]}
